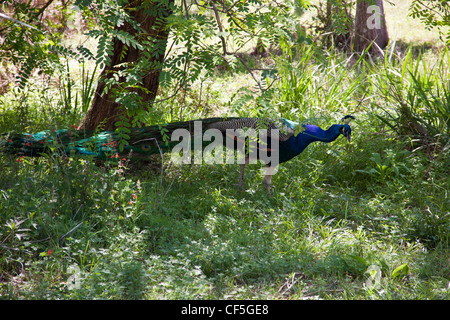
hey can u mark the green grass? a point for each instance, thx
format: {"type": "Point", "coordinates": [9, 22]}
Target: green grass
{"type": "Point", "coordinates": [316, 237]}
{"type": "Point", "coordinates": [366, 220]}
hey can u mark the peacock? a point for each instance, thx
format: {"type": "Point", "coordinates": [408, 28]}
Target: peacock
{"type": "Point", "coordinates": [283, 137]}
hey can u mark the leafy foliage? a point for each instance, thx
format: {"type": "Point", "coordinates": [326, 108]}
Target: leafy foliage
{"type": "Point", "coordinates": [434, 14]}
{"type": "Point", "coordinates": [366, 220]}
{"type": "Point", "coordinates": [422, 97]}
{"type": "Point", "coordinates": [203, 36]}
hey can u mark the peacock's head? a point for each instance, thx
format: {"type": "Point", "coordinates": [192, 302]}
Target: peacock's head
{"type": "Point", "coordinates": [345, 129]}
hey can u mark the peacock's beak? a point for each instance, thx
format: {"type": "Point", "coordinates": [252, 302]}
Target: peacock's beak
{"type": "Point", "coordinates": [349, 138]}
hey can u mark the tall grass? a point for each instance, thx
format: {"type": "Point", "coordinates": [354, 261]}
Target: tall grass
{"type": "Point", "coordinates": [366, 220]}
{"type": "Point", "coordinates": [409, 94]}
{"type": "Point", "coordinates": [319, 84]}
{"type": "Point", "coordinates": [420, 93]}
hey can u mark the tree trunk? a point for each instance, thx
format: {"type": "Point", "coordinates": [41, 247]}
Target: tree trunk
{"type": "Point", "coordinates": [370, 26]}
{"type": "Point", "coordinates": [104, 109]}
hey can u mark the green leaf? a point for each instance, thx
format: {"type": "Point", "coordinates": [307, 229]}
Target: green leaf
{"type": "Point", "coordinates": [82, 3]}
{"type": "Point", "coordinates": [402, 270]}
{"type": "Point", "coordinates": [359, 259]}
{"type": "Point", "coordinates": [165, 79]}
{"type": "Point", "coordinates": [269, 73]}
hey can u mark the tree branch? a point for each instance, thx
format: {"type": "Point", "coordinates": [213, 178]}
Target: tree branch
{"type": "Point", "coordinates": [219, 25]}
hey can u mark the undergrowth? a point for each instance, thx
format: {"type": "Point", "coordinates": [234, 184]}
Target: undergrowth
{"type": "Point", "coordinates": [366, 220]}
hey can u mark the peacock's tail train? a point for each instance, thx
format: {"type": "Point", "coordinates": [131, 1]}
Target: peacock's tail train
{"type": "Point", "coordinates": [102, 145]}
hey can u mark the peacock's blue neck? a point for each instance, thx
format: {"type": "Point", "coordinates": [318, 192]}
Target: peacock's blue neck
{"type": "Point", "coordinates": [314, 133]}
{"type": "Point", "coordinates": [296, 144]}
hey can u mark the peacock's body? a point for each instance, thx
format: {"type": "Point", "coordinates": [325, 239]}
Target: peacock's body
{"type": "Point", "coordinates": [288, 139]}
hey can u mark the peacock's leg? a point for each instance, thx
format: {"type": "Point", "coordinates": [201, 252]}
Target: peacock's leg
{"type": "Point", "coordinates": [268, 178]}
{"type": "Point", "coordinates": [241, 177]}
